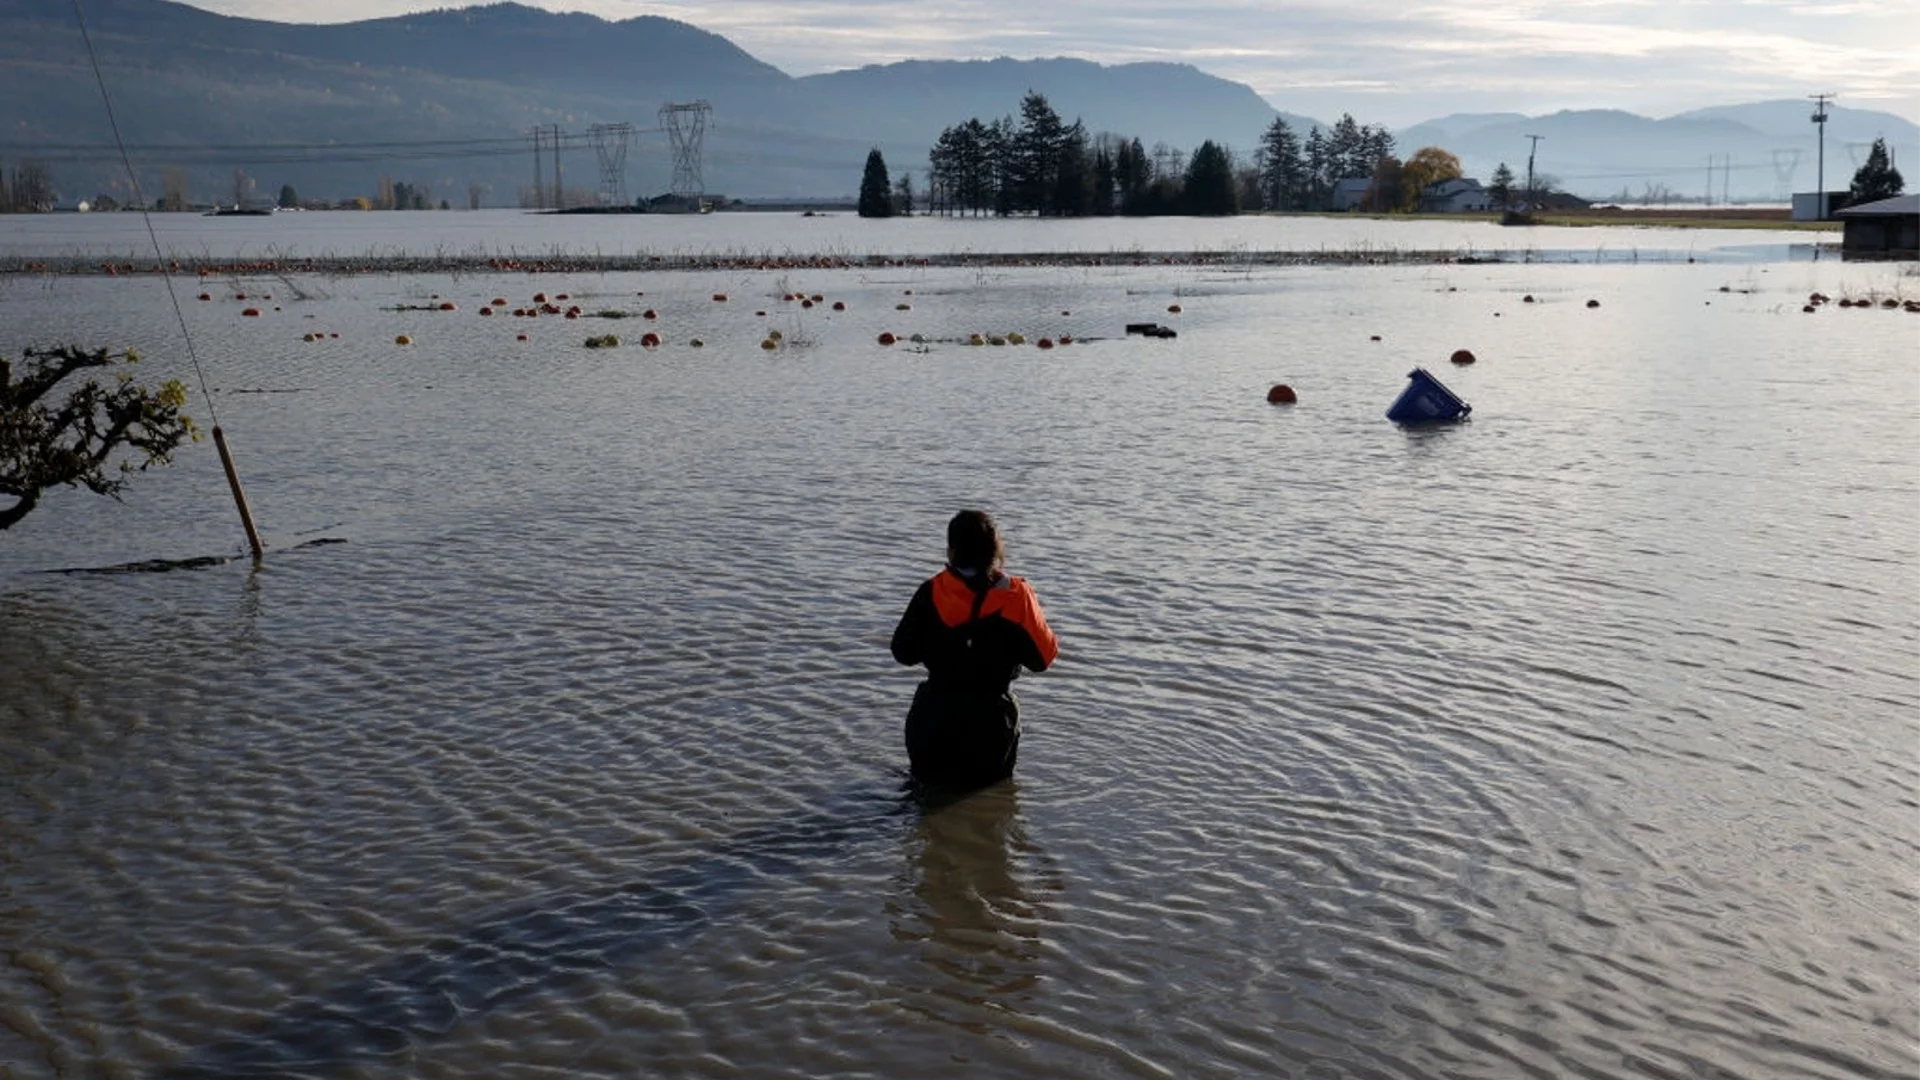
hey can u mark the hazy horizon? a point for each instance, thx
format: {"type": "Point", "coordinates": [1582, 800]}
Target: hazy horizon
{"type": "Point", "coordinates": [1384, 63]}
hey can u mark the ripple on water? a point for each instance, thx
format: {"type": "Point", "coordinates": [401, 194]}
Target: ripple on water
{"type": "Point", "coordinates": [1550, 745]}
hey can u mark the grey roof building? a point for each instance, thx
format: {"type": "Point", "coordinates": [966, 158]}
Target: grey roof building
{"type": "Point", "coordinates": [1887, 229]}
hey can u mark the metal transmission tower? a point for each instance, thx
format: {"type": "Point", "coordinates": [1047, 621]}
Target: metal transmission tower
{"type": "Point", "coordinates": [610, 143]}
{"type": "Point", "coordinates": [686, 127]}
{"type": "Point", "coordinates": [1786, 162]}
{"type": "Point", "coordinates": [544, 133]}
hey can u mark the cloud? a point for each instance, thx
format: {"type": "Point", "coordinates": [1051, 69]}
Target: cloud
{"type": "Point", "coordinates": [1381, 60]}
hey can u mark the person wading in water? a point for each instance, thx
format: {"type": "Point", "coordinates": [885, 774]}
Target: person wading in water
{"type": "Point", "coordinates": [975, 627]}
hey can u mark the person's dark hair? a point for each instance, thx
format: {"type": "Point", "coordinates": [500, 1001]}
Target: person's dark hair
{"type": "Point", "coordinates": [973, 542]}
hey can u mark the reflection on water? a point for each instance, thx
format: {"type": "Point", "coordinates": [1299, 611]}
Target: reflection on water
{"type": "Point", "coordinates": [970, 878]}
{"type": "Point", "coordinates": [421, 995]}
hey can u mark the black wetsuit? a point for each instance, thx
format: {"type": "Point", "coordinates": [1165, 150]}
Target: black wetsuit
{"type": "Point", "coordinates": [974, 635]}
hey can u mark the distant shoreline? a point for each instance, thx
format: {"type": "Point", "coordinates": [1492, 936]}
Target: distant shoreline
{"type": "Point", "coordinates": [1683, 217]}
{"type": "Point", "coordinates": [442, 263]}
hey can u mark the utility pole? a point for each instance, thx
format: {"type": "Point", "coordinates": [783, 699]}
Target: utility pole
{"type": "Point", "coordinates": [1726, 182]}
{"type": "Point", "coordinates": [559, 189]}
{"type": "Point", "coordinates": [539, 178]}
{"type": "Point", "coordinates": [1532, 196]}
{"type": "Point", "coordinates": [1820, 119]}
{"type": "Point", "coordinates": [1709, 179]}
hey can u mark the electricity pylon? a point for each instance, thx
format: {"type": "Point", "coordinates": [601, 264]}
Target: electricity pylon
{"type": "Point", "coordinates": [686, 128]}
{"type": "Point", "coordinates": [610, 142]}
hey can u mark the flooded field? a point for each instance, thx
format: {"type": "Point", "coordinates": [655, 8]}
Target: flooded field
{"type": "Point", "coordinates": [556, 735]}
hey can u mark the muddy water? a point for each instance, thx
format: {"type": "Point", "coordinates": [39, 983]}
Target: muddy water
{"type": "Point", "coordinates": [557, 735]}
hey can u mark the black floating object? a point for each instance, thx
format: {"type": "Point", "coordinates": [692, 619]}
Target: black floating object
{"type": "Point", "coordinates": [1150, 329]}
{"type": "Point", "coordinates": [1426, 401]}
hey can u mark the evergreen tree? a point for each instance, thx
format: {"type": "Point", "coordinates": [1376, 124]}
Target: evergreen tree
{"type": "Point", "coordinates": [1502, 186]}
{"type": "Point", "coordinates": [1375, 143]}
{"type": "Point", "coordinates": [876, 193]}
{"type": "Point", "coordinates": [288, 197]}
{"type": "Point", "coordinates": [903, 195]}
{"type": "Point", "coordinates": [1319, 160]}
{"type": "Point", "coordinates": [1104, 175]}
{"type": "Point", "coordinates": [1347, 146]}
{"type": "Point", "coordinates": [1034, 154]}
{"type": "Point", "coordinates": [1135, 171]}
{"type": "Point", "coordinates": [999, 146]}
{"type": "Point", "coordinates": [1282, 169]}
{"type": "Point", "coordinates": [1208, 189]}
{"type": "Point", "coordinates": [943, 171]}
{"type": "Point", "coordinates": [1877, 179]}
{"type": "Point", "coordinates": [1073, 177]}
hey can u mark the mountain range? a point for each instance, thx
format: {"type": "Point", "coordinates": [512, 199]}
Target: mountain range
{"type": "Point", "coordinates": [445, 101]}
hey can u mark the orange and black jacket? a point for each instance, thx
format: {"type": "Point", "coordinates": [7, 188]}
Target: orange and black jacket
{"type": "Point", "coordinates": [974, 640]}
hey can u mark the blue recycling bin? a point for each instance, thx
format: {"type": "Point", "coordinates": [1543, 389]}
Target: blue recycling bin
{"type": "Point", "coordinates": [1426, 401]}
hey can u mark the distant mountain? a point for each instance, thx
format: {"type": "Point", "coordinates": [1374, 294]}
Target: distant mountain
{"type": "Point", "coordinates": [451, 96]}
{"type": "Point", "coordinates": [446, 101]}
{"type": "Point", "coordinates": [1758, 152]}
{"type": "Point", "coordinates": [1790, 117]}
{"type": "Point", "coordinates": [1177, 103]}
{"type": "Point", "coordinates": [1435, 132]}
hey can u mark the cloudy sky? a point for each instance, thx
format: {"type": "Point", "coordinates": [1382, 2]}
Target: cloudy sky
{"type": "Point", "coordinates": [1387, 61]}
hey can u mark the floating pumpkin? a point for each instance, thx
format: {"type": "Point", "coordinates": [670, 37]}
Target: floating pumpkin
{"type": "Point", "coordinates": [1461, 356]}
{"type": "Point", "coordinates": [1281, 394]}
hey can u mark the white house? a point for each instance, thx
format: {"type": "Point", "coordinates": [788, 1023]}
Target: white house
{"type": "Point", "coordinates": [1456, 196]}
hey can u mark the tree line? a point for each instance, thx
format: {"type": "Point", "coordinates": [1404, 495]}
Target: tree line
{"type": "Point", "coordinates": [1042, 165]}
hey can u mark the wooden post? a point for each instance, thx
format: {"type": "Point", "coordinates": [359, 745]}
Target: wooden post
{"type": "Point", "coordinates": [239, 496]}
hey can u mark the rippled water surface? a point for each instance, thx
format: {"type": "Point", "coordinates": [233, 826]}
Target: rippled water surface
{"type": "Point", "coordinates": [557, 735]}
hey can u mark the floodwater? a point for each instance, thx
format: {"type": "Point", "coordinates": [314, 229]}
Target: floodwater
{"type": "Point", "coordinates": [556, 734]}
{"type": "Point", "coordinates": [515, 234]}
